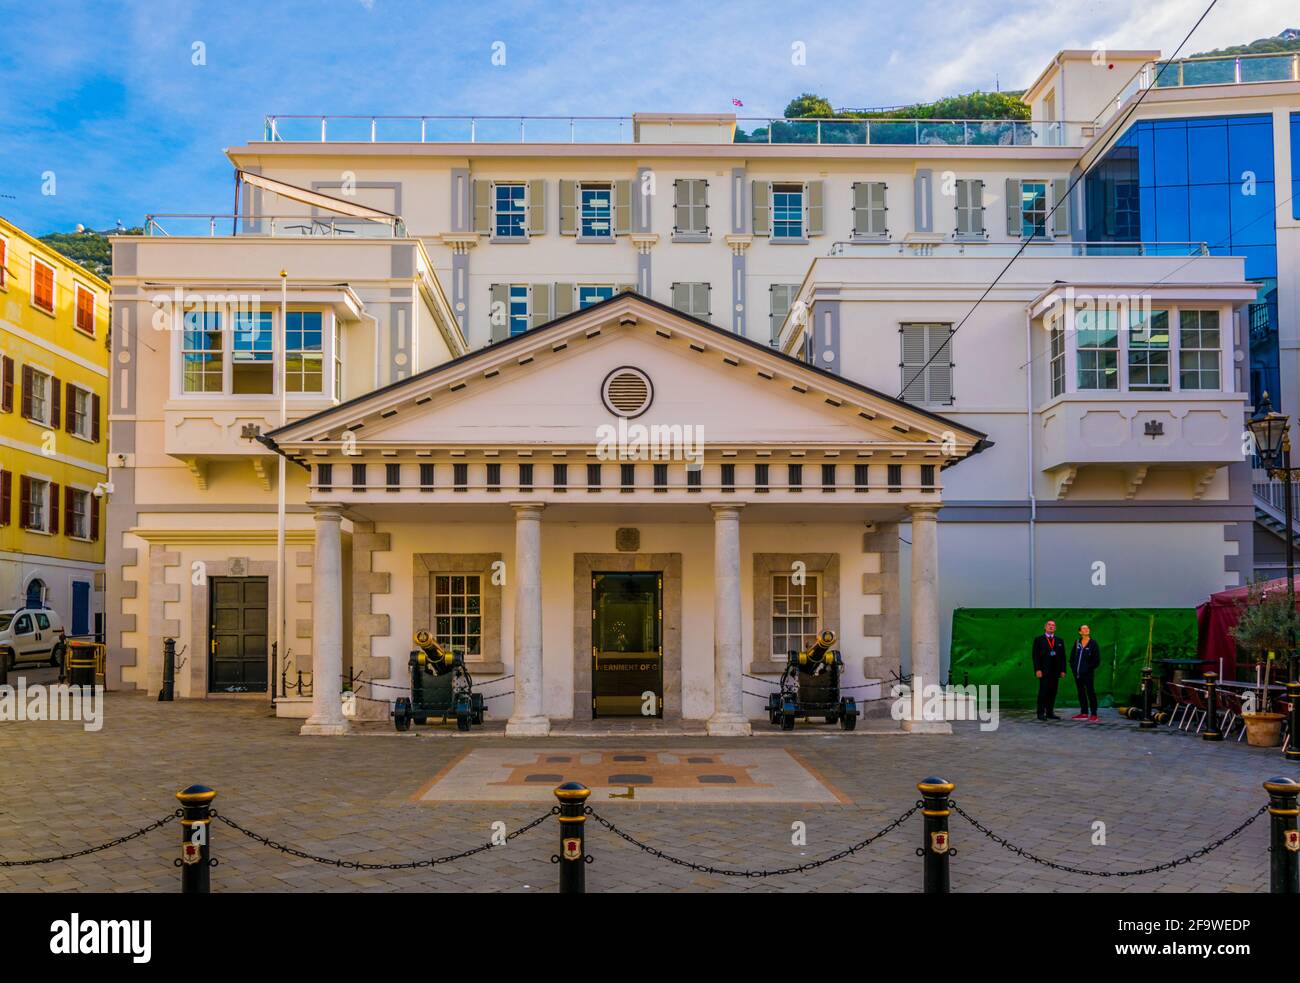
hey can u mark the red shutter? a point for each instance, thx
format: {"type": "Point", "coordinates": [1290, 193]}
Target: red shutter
{"type": "Point", "coordinates": [69, 525]}
{"type": "Point", "coordinates": [53, 505]}
{"type": "Point", "coordinates": [94, 417]}
{"type": "Point", "coordinates": [4, 258]}
{"type": "Point", "coordinates": [24, 501]}
{"type": "Point", "coordinates": [6, 384]}
{"type": "Point", "coordinates": [94, 517]}
{"type": "Point", "coordinates": [70, 397]}
{"type": "Point", "coordinates": [56, 398]}
{"type": "Point", "coordinates": [6, 496]}
{"type": "Point", "coordinates": [27, 392]}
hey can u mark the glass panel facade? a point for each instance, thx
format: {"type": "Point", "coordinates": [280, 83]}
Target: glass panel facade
{"type": "Point", "coordinates": [1210, 180]}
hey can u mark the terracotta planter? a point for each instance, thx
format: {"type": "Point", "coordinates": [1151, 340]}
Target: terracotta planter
{"type": "Point", "coordinates": [1263, 729]}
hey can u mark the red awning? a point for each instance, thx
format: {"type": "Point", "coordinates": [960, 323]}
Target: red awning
{"type": "Point", "coordinates": [1216, 618]}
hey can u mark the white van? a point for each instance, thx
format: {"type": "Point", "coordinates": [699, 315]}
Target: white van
{"type": "Point", "coordinates": [31, 635]}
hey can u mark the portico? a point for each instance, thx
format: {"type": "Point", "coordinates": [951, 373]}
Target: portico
{"type": "Point", "coordinates": [760, 500]}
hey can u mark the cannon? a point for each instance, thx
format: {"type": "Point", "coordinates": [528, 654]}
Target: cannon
{"type": "Point", "coordinates": [810, 687]}
{"type": "Point", "coordinates": [441, 687]}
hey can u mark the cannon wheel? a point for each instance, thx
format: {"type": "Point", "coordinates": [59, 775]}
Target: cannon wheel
{"type": "Point", "coordinates": [402, 714]}
{"type": "Point", "coordinates": [848, 721]}
{"type": "Point", "coordinates": [462, 721]}
{"type": "Point", "coordinates": [787, 721]}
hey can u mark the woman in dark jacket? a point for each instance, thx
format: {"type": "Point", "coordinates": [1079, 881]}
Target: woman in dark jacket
{"type": "Point", "coordinates": [1084, 660]}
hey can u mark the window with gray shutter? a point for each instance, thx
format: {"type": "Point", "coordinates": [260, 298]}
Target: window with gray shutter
{"type": "Point", "coordinates": [568, 207]}
{"type": "Point", "coordinates": [781, 296]}
{"type": "Point", "coordinates": [537, 207]}
{"type": "Point", "coordinates": [970, 209]}
{"type": "Point", "coordinates": [499, 311]}
{"type": "Point", "coordinates": [761, 207]}
{"type": "Point", "coordinates": [1061, 202]}
{"type": "Point", "coordinates": [926, 363]}
{"type": "Point", "coordinates": [869, 211]}
{"type": "Point", "coordinates": [482, 207]}
{"type": "Point", "coordinates": [692, 299]}
{"type": "Point", "coordinates": [816, 208]}
{"type": "Point", "coordinates": [690, 208]}
{"type": "Point", "coordinates": [541, 305]}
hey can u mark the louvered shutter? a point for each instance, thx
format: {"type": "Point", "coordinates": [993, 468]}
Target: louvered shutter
{"type": "Point", "coordinates": [562, 300]}
{"type": "Point", "coordinates": [622, 207]}
{"type": "Point", "coordinates": [1014, 224]}
{"type": "Point", "coordinates": [816, 208]}
{"type": "Point", "coordinates": [537, 207]}
{"type": "Point", "coordinates": [27, 392]}
{"type": "Point", "coordinates": [1061, 202]}
{"type": "Point", "coordinates": [568, 208]}
{"type": "Point", "coordinates": [70, 397]}
{"type": "Point", "coordinates": [963, 206]}
{"type": "Point", "coordinates": [939, 372]}
{"type": "Point", "coordinates": [94, 417]}
{"type": "Point", "coordinates": [482, 207]}
{"type": "Point", "coordinates": [682, 297]}
{"type": "Point", "coordinates": [976, 195]}
{"type": "Point", "coordinates": [914, 356]}
{"type": "Point", "coordinates": [6, 384]}
{"type": "Point", "coordinates": [52, 507]}
{"type": "Point", "coordinates": [877, 210]}
{"type": "Point", "coordinates": [6, 497]}
{"type": "Point", "coordinates": [761, 207]}
{"type": "Point", "coordinates": [499, 311]}
{"type": "Point", "coordinates": [780, 294]}
{"type": "Point", "coordinates": [56, 402]}
{"type": "Point", "coordinates": [94, 518]}
{"type": "Point", "coordinates": [681, 205]}
{"type": "Point", "coordinates": [540, 301]}
{"type": "Point", "coordinates": [861, 208]}
{"type": "Point", "coordinates": [68, 524]}
{"type": "Point", "coordinates": [701, 301]}
{"type": "Point", "coordinates": [24, 501]}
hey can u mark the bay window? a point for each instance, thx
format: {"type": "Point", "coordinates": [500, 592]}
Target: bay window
{"type": "Point", "coordinates": [1148, 350]}
{"type": "Point", "coordinates": [304, 355]}
{"type": "Point", "coordinates": [1097, 338]}
{"type": "Point", "coordinates": [1199, 345]}
{"type": "Point", "coordinates": [202, 354]}
{"type": "Point", "coordinates": [252, 357]}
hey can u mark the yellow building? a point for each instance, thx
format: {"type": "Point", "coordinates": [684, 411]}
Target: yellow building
{"type": "Point", "coordinates": [54, 321]}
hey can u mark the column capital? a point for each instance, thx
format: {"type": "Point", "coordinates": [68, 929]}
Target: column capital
{"type": "Point", "coordinates": [726, 510]}
{"type": "Point", "coordinates": [327, 511]}
{"type": "Point", "coordinates": [924, 510]}
{"type": "Point", "coordinates": [524, 510]}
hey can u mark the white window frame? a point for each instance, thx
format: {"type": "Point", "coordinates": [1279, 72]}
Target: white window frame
{"type": "Point", "coordinates": [1176, 372]}
{"type": "Point", "coordinates": [336, 358]}
{"type": "Point", "coordinates": [1135, 320]}
{"type": "Point", "coordinates": [86, 428]}
{"type": "Point", "coordinates": [812, 586]}
{"type": "Point", "coordinates": [608, 188]}
{"type": "Point", "coordinates": [324, 344]}
{"type": "Point", "coordinates": [42, 510]}
{"type": "Point", "coordinates": [79, 288]}
{"type": "Point", "coordinates": [451, 644]}
{"type": "Point", "coordinates": [803, 210]}
{"type": "Point", "coordinates": [54, 286]}
{"type": "Point", "coordinates": [47, 401]}
{"type": "Point", "coordinates": [525, 204]}
{"type": "Point", "coordinates": [182, 351]}
{"type": "Point", "coordinates": [1020, 209]}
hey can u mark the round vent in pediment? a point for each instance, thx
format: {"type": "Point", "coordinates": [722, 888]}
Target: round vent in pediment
{"type": "Point", "coordinates": [627, 392]}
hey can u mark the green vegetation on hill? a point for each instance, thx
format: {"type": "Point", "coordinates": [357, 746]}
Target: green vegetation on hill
{"type": "Point", "coordinates": [1286, 42]}
{"type": "Point", "coordinates": [89, 248]}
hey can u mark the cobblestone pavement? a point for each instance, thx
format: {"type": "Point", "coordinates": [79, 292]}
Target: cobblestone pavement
{"type": "Point", "coordinates": [1160, 794]}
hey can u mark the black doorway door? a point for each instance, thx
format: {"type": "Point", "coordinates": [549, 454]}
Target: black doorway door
{"type": "Point", "coordinates": [237, 638]}
{"type": "Point", "coordinates": [627, 671]}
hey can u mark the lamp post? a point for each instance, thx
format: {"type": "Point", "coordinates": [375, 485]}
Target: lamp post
{"type": "Point", "coordinates": [1273, 446]}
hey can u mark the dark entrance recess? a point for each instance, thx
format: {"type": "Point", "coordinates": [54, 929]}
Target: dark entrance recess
{"type": "Point", "coordinates": [237, 634]}
{"type": "Point", "coordinates": [627, 671]}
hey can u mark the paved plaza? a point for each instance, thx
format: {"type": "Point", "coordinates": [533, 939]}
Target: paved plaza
{"type": "Point", "coordinates": [385, 797]}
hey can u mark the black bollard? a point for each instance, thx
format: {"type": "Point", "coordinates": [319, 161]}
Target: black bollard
{"type": "Point", "coordinates": [1284, 842]}
{"type": "Point", "coordinates": [1212, 732]}
{"type": "Point", "coordinates": [935, 845]}
{"type": "Point", "coordinates": [168, 692]}
{"type": "Point", "coordinates": [196, 839]}
{"type": "Point", "coordinates": [1293, 697]}
{"type": "Point", "coordinates": [573, 842]}
{"type": "Point", "coordinates": [1147, 721]}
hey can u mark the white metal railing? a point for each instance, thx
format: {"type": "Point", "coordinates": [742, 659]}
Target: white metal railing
{"type": "Point", "coordinates": [1273, 494]}
{"type": "Point", "coordinates": [1208, 70]}
{"type": "Point", "coordinates": [273, 226]}
{"type": "Point", "coordinates": [1046, 247]}
{"type": "Point", "coordinates": [622, 129]}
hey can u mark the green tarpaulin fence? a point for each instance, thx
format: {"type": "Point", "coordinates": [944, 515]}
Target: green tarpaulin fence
{"type": "Point", "coordinates": [991, 646]}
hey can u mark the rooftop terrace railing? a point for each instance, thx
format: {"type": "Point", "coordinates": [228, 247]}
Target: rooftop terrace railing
{"type": "Point", "coordinates": [273, 226]}
{"type": "Point", "coordinates": [1208, 70]}
{"type": "Point", "coordinates": [624, 129]}
{"type": "Point", "coordinates": [1007, 249]}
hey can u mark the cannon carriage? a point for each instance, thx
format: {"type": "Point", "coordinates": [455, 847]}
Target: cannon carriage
{"type": "Point", "coordinates": [441, 687]}
{"type": "Point", "coordinates": [810, 687]}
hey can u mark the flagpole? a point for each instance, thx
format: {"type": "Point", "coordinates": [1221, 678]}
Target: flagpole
{"type": "Point", "coordinates": [282, 356]}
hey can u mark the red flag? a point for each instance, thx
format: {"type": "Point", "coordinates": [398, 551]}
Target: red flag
{"type": "Point", "coordinates": [737, 102]}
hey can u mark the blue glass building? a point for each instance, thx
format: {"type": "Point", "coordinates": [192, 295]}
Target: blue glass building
{"type": "Point", "coordinates": [1201, 179]}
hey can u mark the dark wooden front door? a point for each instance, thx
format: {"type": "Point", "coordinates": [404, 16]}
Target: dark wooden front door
{"type": "Point", "coordinates": [237, 635]}
{"type": "Point", "coordinates": [627, 671]}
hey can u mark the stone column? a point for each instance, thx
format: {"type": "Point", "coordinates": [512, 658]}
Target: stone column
{"type": "Point", "coordinates": [528, 719]}
{"type": "Point", "coordinates": [728, 718]}
{"type": "Point", "coordinates": [327, 626]}
{"type": "Point", "coordinates": [925, 614]}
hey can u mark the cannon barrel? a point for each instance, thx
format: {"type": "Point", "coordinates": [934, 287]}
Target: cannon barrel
{"type": "Point", "coordinates": [819, 652]}
{"type": "Point", "coordinates": [432, 656]}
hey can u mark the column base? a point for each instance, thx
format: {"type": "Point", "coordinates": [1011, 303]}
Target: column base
{"type": "Point", "coordinates": [318, 727]}
{"type": "Point", "coordinates": [728, 725]}
{"type": "Point", "coordinates": [927, 727]}
{"type": "Point", "coordinates": [528, 726]}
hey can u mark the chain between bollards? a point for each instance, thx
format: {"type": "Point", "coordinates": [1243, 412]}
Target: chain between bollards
{"type": "Point", "coordinates": [935, 845]}
{"type": "Point", "coordinates": [1284, 839]}
{"type": "Point", "coordinates": [195, 860]}
{"type": "Point", "coordinates": [572, 857]}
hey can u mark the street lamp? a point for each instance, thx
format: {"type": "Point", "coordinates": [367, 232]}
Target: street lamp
{"type": "Point", "coordinates": [1273, 447]}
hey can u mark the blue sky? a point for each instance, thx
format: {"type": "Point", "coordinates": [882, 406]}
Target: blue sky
{"type": "Point", "coordinates": [106, 96]}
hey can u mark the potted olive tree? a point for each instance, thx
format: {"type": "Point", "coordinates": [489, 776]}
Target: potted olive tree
{"type": "Point", "coordinates": [1265, 630]}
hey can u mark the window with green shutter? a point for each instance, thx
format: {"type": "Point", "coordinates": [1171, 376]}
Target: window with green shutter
{"type": "Point", "coordinates": [926, 363]}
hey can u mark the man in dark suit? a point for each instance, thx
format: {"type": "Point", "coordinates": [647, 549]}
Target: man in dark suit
{"type": "Point", "coordinates": [1049, 667]}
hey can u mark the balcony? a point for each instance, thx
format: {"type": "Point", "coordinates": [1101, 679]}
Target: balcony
{"type": "Point", "coordinates": [272, 226]}
{"type": "Point", "coordinates": [1214, 70]}
{"type": "Point", "coordinates": [628, 129]}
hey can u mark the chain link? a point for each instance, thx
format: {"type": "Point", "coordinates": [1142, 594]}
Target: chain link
{"type": "Point", "coordinates": [779, 872]}
{"type": "Point", "coordinates": [358, 865]}
{"type": "Point", "coordinates": [159, 824]}
{"type": "Point", "coordinates": [1168, 865]}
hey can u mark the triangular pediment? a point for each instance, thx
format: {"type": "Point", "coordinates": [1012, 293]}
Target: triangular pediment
{"type": "Point", "coordinates": [549, 387]}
